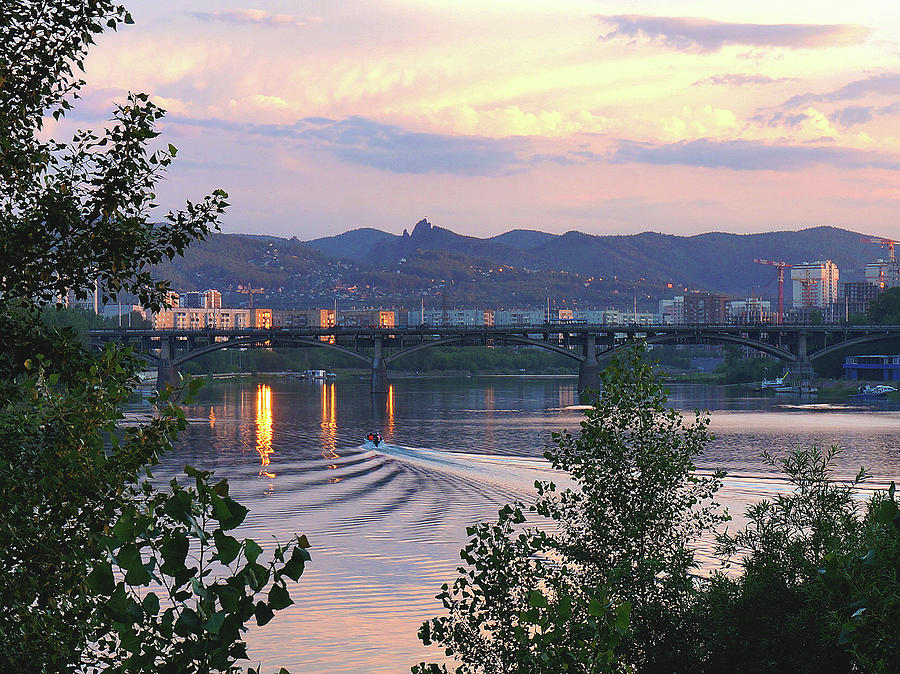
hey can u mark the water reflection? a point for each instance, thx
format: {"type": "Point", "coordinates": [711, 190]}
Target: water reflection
{"type": "Point", "coordinates": [389, 426]}
{"type": "Point", "coordinates": [329, 423]}
{"type": "Point", "coordinates": [388, 526]}
{"type": "Point", "coordinates": [264, 427]}
{"type": "Point", "coordinates": [489, 414]}
{"type": "Point", "coordinates": [212, 417]}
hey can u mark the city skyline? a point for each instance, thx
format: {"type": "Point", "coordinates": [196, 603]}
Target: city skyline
{"type": "Point", "coordinates": [603, 117]}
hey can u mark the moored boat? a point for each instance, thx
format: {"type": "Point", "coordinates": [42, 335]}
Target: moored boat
{"type": "Point", "coordinates": [773, 383]}
{"type": "Point", "coordinates": [803, 389]}
{"type": "Point", "coordinates": [878, 391]}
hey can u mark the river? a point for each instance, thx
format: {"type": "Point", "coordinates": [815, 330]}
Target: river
{"type": "Point", "coordinates": [386, 526]}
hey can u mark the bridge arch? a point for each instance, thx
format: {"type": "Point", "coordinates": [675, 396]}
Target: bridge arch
{"type": "Point", "coordinates": [519, 339]}
{"type": "Point", "coordinates": [273, 341]}
{"type": "Point", "coordinates": [769, 349]}
{"type": "Point", "coordinates": [840, 346]}
{"type": "Point", "coordinates": [151, 358]}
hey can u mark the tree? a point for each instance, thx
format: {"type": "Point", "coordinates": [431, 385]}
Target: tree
{"type": "Point", "coordinates": [84, 528]}
{"type": "Point", "coordinates": [618, 543]}
{"type": "Point", "coordinates": [737, 369]}
{"type": "Point", "coordinates": [885, 309]}
{"type": "Point", "coordinates": [636, 509]}
{"type": "Point", "coordinates": [820, 587]}
{"type": "Point", "coordinates": [512, 610]}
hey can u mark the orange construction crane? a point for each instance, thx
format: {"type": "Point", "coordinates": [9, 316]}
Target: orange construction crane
{"type": "Point", "coordinates": [884, 242]}
{"type": "Point", "coordinates": [806, 298]}
{"type": "Point", "coordinates": [779, 265]}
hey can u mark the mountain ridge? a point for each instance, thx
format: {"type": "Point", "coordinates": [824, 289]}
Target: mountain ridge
{"type": "Point", "coordinates": [519, 267]}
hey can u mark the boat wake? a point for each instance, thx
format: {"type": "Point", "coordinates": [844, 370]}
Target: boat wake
{"type": "Point", "coordinates": [513, 472]}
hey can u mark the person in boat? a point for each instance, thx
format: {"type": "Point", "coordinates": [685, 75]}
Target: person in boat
{"type": "Point", "coordinates": [374, 438]}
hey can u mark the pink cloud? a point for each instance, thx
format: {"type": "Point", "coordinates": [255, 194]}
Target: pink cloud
{"type": "Point", "coordinates": [249, 16]}
{"type": "Point", "coordinates": [707, 35]}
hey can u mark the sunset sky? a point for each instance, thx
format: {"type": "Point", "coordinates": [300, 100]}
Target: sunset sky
{"type": "Point", "coordinates": [600, 116]}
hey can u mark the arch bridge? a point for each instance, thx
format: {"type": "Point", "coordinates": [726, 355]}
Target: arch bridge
{"type": "Point", "coordinates": [797, 345]}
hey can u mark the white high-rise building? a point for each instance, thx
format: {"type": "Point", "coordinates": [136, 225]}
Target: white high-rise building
{"type": "Point", "coordinates": [212, 299]}
{"type": "Point", "coordinates": [815, 284]}
{"type": "Point", "coordinates": [883, 273]}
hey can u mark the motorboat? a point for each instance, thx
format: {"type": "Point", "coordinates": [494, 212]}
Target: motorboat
{"type": "Point", "coordinates": [802, 389]}
{"type": "Point", "coordinates": [773, 383]}
{"type": "Point", "coordinates": [868, 390]}
{"type": "Point", "coordinates": [374, 439]}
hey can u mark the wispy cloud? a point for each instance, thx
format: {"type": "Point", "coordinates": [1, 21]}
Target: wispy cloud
{"type": "Point", "coordinates": [852, 115]}
{"type": "Point", "coordinates": [365, 142]}
{"type": "Point", "coordinates": [883, 84]}
{"type": "Point", "coordinates": [860, 114]}
{"type": "Point", "coordinates": [247, 16]}
{"type": "Point", "coordinates": [741, 79]}
{"type": "Point", "coordinates": [706, 35]}
{"type": "Point", "coordinates": [745, 155]}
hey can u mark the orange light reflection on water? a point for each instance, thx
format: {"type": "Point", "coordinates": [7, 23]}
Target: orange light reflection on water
{"type": "Point", "coordinates": [329, 424]}
{"type": "Point", "coordinates": [390, 413]}
{"type": "Point", "coordinates": [264, 427]}
{"type": "Point", "coordinates": [489, 421]}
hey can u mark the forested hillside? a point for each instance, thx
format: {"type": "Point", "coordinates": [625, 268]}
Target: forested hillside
{"type": "Point", "coordinates": [521, 267]}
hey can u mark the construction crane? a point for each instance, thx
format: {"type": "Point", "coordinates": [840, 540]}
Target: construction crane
{"type": "Point", "coordinates": [250, 291]}
{"type": "Point", "coordinates": [883, 242]}
{"type": "Point", "coordinates": [806, 298]}
{"type": "Point", "coordinates": [779, 265]}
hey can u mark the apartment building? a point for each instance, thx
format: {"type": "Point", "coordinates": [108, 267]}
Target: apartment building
{"type": "Point", "coordinates": [814, 284]}
{"type": "Point", "coordinates": [191, 318]}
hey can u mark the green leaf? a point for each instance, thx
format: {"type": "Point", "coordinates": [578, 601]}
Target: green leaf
{"type": "Point", "coordinates": [124, 526]}
{"type": "Point", "coordinates": [188, 623]}
{"type": "Point", "coordinates": [256, 576]}
{"type": "Point", "coordinates": [596, 608]}
{"type": "Point", "coordinates": [886, 512]}
{"type": "Point", "coordinates": [295, 565]}
{"type": "Point", "coordinates": [279, 597]}
{"type": "Point", "coordinates": [178, 506]}
{"type": "Point", "coordinates": [151, 604]}
{"type": "Point", "coordinates": [129, 559]}
{"type": "Point", "coordinates": [220, 488]}
{"type": "Point", "coordinates": [229, 597]}
{"type": "Point", "coordinates": [535, 598]}
{"type": "Point", "coordinates": [263, 613]}
{"type": "Point", "coordinates": [101, 580]}
{"type": "Point", "coordinates": [623, 616]}
{"type": "Point", "coordinates": [190, 471]}
{"type": "Point", "coordinates": [214, 624]}
{"type": "Point", "coordinates": [238, 513]}
{"type": "Point", "coordinates": [565, 608]}
{"type": "Point", "coordinates": [220, 511]}
{"type": "Point", "coordinates": [174, 551]}
{"type": "Point", "coordinates": [252, 550]}
{"type": "Point", "coordinates": [227, 547]}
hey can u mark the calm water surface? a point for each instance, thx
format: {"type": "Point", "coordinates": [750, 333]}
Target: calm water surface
{"type": "Point", "coordinates": [386, 526]}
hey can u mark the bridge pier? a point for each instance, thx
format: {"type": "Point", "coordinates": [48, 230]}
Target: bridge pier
{"type": "Point", "coordinates": [589, 369]}
{"type": "Point", "coordinates": [802, 370]}
{"type": "Point", "coordinates": [167, 372]}
{"type": "Point", "coordinates": [379, 368]}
